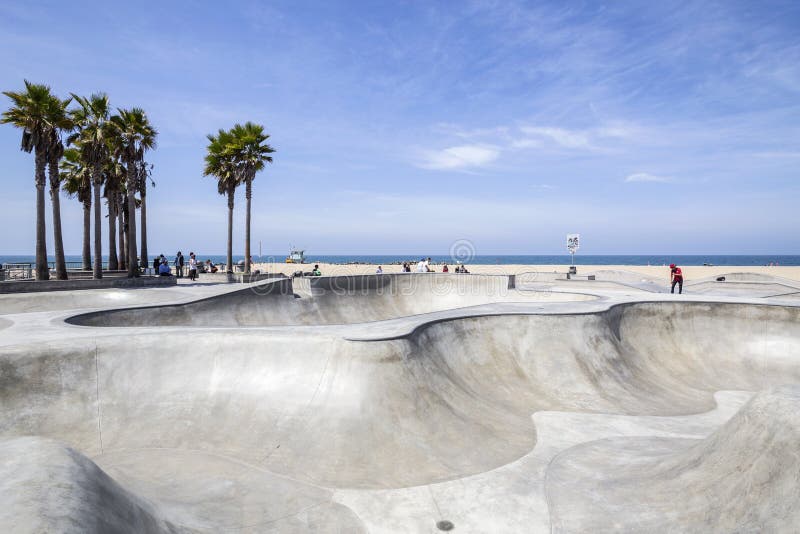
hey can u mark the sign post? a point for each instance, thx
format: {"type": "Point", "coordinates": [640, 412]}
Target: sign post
{"type": "Point", "coordinates": [573, 244]}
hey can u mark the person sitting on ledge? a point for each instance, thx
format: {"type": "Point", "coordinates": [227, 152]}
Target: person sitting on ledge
{"type": "Point", "coordinates": [379, 270]}
{"type": "Point", "coordinates": [316, 271]}
{"type": "Point", "coordinates": [163, 269]}
{"type": "Point", "coordinates": [445, 269]}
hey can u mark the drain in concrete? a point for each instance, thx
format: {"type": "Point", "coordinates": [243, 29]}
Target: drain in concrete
{"type": "Point", "coordinates": [445, 525]}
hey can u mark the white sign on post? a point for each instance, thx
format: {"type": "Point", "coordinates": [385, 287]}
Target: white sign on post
{"type": "Point", "coordinates": [573, 242]}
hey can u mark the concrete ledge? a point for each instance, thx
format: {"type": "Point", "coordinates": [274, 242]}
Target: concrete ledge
{"type": "Point", "coordinates": [236, 278]}
{"type": "Point", "coordinates": [33, 286]}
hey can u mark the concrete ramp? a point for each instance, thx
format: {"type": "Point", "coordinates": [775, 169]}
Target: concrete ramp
{"type": "Point", "coordinates": [681, 485]}
{"type": "Point", "coordinates": [329, 300]}
{"type": "Point", "coordinates": [298, 429]}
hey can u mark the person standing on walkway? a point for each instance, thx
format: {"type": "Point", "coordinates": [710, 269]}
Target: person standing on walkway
{"type": "Point", "coordinates": [179, 262]}
{"type": "Point", "coordinates": [192, 267]}
{"type": "Point", "coordinates": [676, 277]}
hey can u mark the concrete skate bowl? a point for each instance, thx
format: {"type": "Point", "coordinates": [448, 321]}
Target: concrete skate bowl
{"type": "Point", "coordinates": [5, 323]}
{"type": "Point", "coordinates": [604, 279]}
{"type": "Point", "coordinates": [197, 431]}
{"type": "Point", "coordinates": [329, 300]}
{"type": "Point", "coordinates": [744, 284]}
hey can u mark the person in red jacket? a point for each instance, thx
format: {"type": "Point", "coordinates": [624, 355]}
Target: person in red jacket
{"type": "Point", "coordinates": [677, 278]}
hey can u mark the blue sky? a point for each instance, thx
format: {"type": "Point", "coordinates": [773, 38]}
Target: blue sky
{"type": "Point", "coordinates": [401, 127]}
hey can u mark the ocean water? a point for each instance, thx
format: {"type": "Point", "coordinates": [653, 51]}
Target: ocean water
{"type": "Point", "coordinates": [563, 259]}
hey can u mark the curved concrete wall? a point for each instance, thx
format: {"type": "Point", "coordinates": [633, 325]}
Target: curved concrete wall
{"type": "Point", "coordinates": [452, 399]}
{"type": "Point", "coordinates": [328, 300]}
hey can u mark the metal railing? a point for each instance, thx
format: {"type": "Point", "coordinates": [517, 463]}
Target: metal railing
{"type": "Point", "coordinates": [75, 265]}
{"type": "Point", "coordinates": [26, 271]}
{"type": "Point", "coordinates": [16, 271]}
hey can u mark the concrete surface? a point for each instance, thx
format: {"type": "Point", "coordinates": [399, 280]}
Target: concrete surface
{"type": "Point", "coordinates": [390, 403]}
{"type": "Point", "coordinates": [37, 286]}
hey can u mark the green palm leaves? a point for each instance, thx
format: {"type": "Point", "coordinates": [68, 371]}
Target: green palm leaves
{"type": "Point", "coordinates": [43, 118]}
{"type": "Point", "coordinates": [104, 149]}
{"type": "Point", "coordinates": [234, 157]}
{"type": "Point", "coordinates": [134, 136]}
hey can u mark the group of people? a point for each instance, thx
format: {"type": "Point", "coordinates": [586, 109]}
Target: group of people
{"type": "Point", "coordinates": [424, 266]}
{"type": "Point", "coordinates": [162, 268]}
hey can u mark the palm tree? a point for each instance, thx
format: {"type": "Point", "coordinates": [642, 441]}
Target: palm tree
{"type": "Point", "coordinates": [122, 230]}
{"type": "Point", "coordinates": [78, 183]}
{"type": "Point", "coordinates": [144, 171]}
{"type": "Point", "coordinates": [59, 121]}
{"type": "Point", "coordinates": [91, 139]}
{"type": "Point", "coordinates": [29, 112]}
{"type": "Point", "coordinates": [135, 136]}
{"type": "Point", "coordinates": [114, 176]}
{"type": "Point", "coordinates": [249, 151]}
{"type": "Point", "coordinates": [220, 164]}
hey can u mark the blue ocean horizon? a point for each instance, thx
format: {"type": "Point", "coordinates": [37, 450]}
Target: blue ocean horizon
{"type": "Point", "coordinates": [561, 259]}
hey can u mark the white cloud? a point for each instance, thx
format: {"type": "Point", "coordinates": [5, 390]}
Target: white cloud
{"type": "Point", "coordinates": [526, 143]}
{"type": "Point", "coordinates": [460, 157]}
{"type": "Point", "coordinates": [560, 136]}
{"type": "Point", "coordinates": [646, 177]}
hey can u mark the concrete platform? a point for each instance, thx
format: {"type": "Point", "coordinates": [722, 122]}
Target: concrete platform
{"type": "Point", "coordinates": [394, 403]}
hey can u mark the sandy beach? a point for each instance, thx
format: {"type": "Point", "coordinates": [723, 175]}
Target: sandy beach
{"type": "Point", "coordinates": [655, 271]}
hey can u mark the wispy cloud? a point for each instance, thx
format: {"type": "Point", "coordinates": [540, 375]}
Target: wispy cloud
{"type": "Point", "coordinates": [460, 157]}
{"type": "Point", "coordinates": [647, 177]}
{"type": "Point", "coordinates": [560, 136]}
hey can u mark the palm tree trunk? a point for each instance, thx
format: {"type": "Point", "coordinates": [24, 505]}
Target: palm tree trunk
{"type": "Point", "coordinates": [55, 201]}
{"type": "Point", "coordinates": [42, 270]}
{"type": "Point", "coordinates": [123, 265]}
{"type": "Point", "coordinates": [86, 255]}
{"type": "Point", "coordinates": [97, 268]}
{"type": "Point", "coordinates": [144, 226]}
{"type": "Point", "coordinates": [248, 196]}
{"type": "Point", "coordinates": [229, 265]}
{"type": "Point", "coordinates": [111, 200]}
{"type": "Point", "coordinates": [133, 263]}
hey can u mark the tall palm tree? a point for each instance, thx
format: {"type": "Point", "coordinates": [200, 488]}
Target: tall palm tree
{"type": "Point", "coordinates": [114, 176]}
{"type": "Point", "coordinates": [29, 112]}
{"type": "Point", "coordinates": [122, 230]}
{"type": "Point", "coordinates": [250, 152]}
{"type": "Point", "coordinates": [58, 122]}
{"type": "Point", "coordinates": [135, 136]}
{"type": "Point", "coordinates": [91, 139]}
{"type": "Point", "coordinates": [220, 164]}
{"type": "Point", "coordinates": [78, 183]}
{"type": "Point", "coordinates": [144, 171]}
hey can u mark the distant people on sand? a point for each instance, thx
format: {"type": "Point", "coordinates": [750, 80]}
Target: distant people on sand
{"type": "Point", "coordinates": [406, 267]}
{"type": "Point", "coordinates": [379, 270]}
{"type": "Point", "coordinates": [461, 269]}
{"type": "Point", "coordinates": [424, 266]}
{"type": "Point", "coordinates": [445, 269]}
{"type": "Point", "coordinates": [676, 277]}
{"type": "Point", "coordinates": [179, 263]}
{"type": "Point", "coordinates": [192, 267]}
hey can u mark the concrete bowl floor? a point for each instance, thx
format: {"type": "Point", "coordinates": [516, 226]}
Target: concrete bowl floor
{"type": "Point", "coordinates": [589, 414]}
